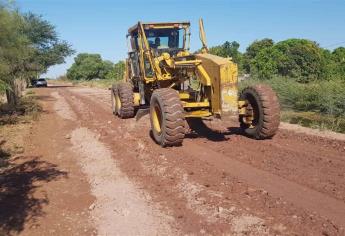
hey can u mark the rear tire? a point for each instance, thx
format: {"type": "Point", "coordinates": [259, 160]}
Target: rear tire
{"type": "Point", "coordinates": [264, 109]}
{"type": "Point", "coordinates": [124, 100]}
{"type": "Point", "coordinates": [113, 101]}
{"type": "Point", "coordinates": [167, 117]}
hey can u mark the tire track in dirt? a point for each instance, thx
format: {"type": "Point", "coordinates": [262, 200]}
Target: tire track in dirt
{"type": "Point", "coordinates": [293, 157]}
{"type": "Point", "coordinates": [172, 153]}
{"type": "Point", "coordinates": [200, 217]}
{"type": "Point", "coordinates": [120, 207]}
{"type": "Point", "coordinates": [299, 195]}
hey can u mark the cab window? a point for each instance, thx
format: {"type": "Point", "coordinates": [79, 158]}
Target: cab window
{"type": "Point", "coordinates": [165, 38]}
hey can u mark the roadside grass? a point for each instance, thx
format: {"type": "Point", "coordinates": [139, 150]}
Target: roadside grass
{"type": "Point", "coordinates": [27, 109]}
{"type": "Point", "coordinates": [319, 104]}
{"type": "Point", "coordinates": [14, 125]}
{"type": "Point", "coordinates": [314, 120]}
{"type": "Point", "coordinates": [102, 83]}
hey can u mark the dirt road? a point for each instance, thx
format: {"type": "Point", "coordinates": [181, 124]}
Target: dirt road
{"type": "Point", "coordinates": [114, 180]}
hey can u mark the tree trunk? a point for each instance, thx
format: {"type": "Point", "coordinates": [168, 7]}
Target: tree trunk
{"type": "Point", "coordinates": [11, 98]}
{"type": "Point", "coordinates": [14, 93]}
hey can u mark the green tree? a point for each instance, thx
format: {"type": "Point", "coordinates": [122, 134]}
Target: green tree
{"type": "Point", "coordinates": [302, 59]}
{"type": "Point", "coordinates": [90, 66]}
{"type": "Point", "coordinates": [15, 52]}
{"type": "Point", "coordinates": [228, 49]}
{"type": "Point", "coordinates": [28, 46]}
{"type": "Point", "coordinates": [266, 63]}
{"type": "Point", "coordinates": [253, 50]}
{"type": "Point", "coordinates": [257, 46]}
{"type": "Point", "coordinates": [107, 70]}
{"type": "Point", "coordinates": [48, 49]}
{"type": "Point", "coordinates": [117, 71]}
{"type": "Point", "coordinates": [338, 59]}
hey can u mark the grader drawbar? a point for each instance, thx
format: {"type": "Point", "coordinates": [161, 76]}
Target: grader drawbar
{"type": "Point", "coordinates": [162, 75]}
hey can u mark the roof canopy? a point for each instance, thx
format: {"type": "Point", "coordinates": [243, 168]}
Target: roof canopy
{"type": "Point", "coordinates": [159, 25]}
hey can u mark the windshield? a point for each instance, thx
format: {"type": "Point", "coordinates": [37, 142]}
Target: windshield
{"type": "Point", "coordinates": [41, 80]}
{"type": "Point", "coordinates": [165, 38]}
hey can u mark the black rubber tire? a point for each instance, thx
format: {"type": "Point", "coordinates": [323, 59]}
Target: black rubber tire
{"type": "Point", "coordinates": [113, 102]}
{"type": "Point", "coordinates": [172, 120]}
{"type": "Point", "coordinates": [126, 96]}
{"type": "Point", "coordinates": [265, 105]}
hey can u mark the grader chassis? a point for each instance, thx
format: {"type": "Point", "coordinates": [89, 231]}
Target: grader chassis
{"type": "Point", "coordinates": [175, 84]}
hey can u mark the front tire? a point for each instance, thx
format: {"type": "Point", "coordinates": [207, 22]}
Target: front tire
{"type": "Point", "coordinates": [263, 112]}
{"type": "Point", "coordinates": [167, 117]}
{"type": "Point", "coordinates": [123, 104]}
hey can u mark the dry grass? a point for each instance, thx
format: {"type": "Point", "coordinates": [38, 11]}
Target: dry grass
{"type": "Point", "coordinates": [26, 110]}
{"type": "Point", "coordinates": [315, 120]}
{"type": "Point", "coordinates": [15, 125]}
{"type": "Point", "coordinates": [103, 83]}
{"type": "Point", "coordinates": [95, 83]}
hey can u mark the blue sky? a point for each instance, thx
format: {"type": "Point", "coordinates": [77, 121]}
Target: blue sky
{"type": "Point", "coordinates": [100, 26]}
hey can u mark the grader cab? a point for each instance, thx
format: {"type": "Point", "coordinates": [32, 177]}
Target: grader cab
{"type": "Point", "coordinates": [162, 75]}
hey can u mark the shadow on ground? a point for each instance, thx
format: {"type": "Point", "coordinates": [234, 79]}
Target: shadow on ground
{"type": "Point", "coordinates": [4, 155]}
{"type": "Point", "coordinates": [19, 178]}
{"type": "Point", "coordinates": [44, 98]}
{"type": "Point", "coordinates": [200, 130]}
{"type": "Point", "coordinates": [52, 86]}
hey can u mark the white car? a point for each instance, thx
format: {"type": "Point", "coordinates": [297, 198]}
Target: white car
{"type": "Point", "coordinates": [41, 83]}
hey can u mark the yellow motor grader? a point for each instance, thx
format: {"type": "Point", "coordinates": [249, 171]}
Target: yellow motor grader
{"type": "Point", "coordinates": [164, 77]}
